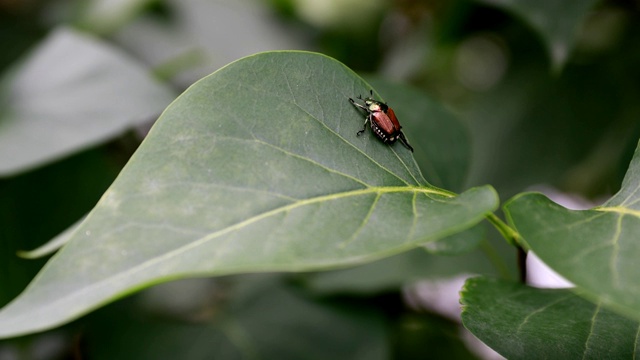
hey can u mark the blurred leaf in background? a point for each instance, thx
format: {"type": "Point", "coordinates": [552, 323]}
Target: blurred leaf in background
{"type": "Point", "coordinates": [71, 93]}
{"type": "Point", "coordinates": [38, 205]}
{"type": "Point", "coordinates": [259, 316]}
{"type": "Point", "coordinates": [558, 31]}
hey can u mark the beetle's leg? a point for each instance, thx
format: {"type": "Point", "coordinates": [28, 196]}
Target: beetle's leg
{"type": "Point", "coordinates": [404, 141]}
{"type": "Point", "coordinates": [366, 120]}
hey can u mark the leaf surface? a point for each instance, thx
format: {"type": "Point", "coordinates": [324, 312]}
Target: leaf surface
{"type": "Point", "coordinates": [254, 168]}
{"type": "Point", "coordinates": [522, 322]}
{"type": "Point", "coordinates": [597, 249]}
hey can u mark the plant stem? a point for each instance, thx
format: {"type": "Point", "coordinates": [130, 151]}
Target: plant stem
{"type": "Point", "coordinates": [512, 238]}
{"type": "Point", "coordinates": [505, 230]}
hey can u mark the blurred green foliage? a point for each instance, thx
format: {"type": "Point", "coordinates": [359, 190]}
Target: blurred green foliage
{"type": "Point", "coordinates": [549, 95]}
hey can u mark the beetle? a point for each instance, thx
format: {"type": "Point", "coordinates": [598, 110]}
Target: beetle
{"type": "Point", "coordinates": [383, 120]}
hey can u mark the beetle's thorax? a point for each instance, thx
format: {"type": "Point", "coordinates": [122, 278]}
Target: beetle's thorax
{"type": "Point", "coordinates": [373, 105]}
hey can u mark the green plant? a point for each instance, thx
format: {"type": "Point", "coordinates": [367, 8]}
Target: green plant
{"type": "Point", "coordinates": [257, 168]}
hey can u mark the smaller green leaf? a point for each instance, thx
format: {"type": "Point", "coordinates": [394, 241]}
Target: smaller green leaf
{"type": "Point", "coordinates": [557, 22]}
{"type": "Point", "coordinates": [597, 249]}
{"type": "Point", "coordinates": [72, 92]}
{"type": "Point", "coordinates": [522, 322]}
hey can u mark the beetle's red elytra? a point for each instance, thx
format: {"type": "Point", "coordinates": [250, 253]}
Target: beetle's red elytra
{"type": "Point", "coordinates": [383, 120]}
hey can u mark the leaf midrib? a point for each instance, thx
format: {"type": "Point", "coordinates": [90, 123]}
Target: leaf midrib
{"type": "Point", "coordinates": [144, 265]}
{"type": "Point", "coordinates": [620, 210]}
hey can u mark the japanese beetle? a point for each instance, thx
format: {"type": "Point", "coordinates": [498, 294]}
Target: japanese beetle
{"type": "Point", "coordinates": [383, 120]}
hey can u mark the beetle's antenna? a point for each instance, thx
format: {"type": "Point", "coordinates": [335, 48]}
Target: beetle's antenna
{"type": "Point", "coordinates": [358, 105]}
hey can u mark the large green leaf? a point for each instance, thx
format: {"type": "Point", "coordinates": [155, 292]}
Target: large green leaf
{"type": "Point", "coordinates": [557, 22]}
{"type": "Point", "coordinates": [254, 168]}
{"type": "Point", "coordinates": [71, 92]}
{"type": "Point", "coordinates": [521, 322]}
{"type": "Point", "coordinates": [596, 249]}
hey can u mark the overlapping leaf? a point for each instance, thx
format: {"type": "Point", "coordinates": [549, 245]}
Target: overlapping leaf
{"type": "Point", "coordinates": [72, 92]}
{"type": "Point", "coordinates": [596, 249]}
{"type": "Point", "coordinates": [254, 168]}
{"type": "Point", "coordinates": [521, 322]}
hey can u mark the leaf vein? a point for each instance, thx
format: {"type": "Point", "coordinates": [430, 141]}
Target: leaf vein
{"type": "Point", "coordinates": [615, 253]}
{"type": "Point", "coordinates": [414, 222]}
{"type": "Point", "coordinates": [539, 310]}
{"type": "Point", "coordinates": [289, 153]}
{"type": "Point", "coordinates": [405, 166]}
{"type": "Point", "coordinates": [352, 145]}
{"type": "Point", "coordinates": [635, 344]}
{"type": "Point", "coordinates": [364, 222]}
{"type": "Point", "coordinates": [193, 184]}
{"type": "Point", "coordinates": [624, 202]}
{"type": "Point", "coordinates": [620, 210]}
{"type": "Point", "coordinates": [591, 331]}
